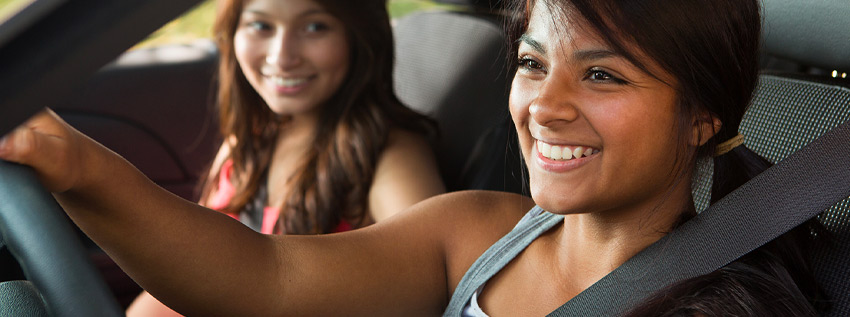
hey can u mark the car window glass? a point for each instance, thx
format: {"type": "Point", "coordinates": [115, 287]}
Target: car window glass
{"type": "Point", "coordinates": [196, 24]}
{"type": "Point", "coordinates": [8, 8]}
{"type": "Point", "coordinates": [18, 15]}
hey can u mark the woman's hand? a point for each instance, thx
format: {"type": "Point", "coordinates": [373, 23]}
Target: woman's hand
{"type": "Point", "coordinates": [49, 145]}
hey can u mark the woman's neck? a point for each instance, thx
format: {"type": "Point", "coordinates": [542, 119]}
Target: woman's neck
{"type": "Point", "coordinates": [297, 131]}
{"type": "Point", "coordinates": [295, 138]}
{"type": "Point", "coordinates": [593, 244]}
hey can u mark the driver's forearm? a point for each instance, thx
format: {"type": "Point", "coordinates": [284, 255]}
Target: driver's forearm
{"type": "Point", "coordinates": [188, 256]}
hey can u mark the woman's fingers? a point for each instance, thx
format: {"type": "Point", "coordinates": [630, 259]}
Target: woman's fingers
{"type": "Point", "coordinates": [47, 144]}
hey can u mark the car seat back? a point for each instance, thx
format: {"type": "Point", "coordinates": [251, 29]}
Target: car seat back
{"type": "Point", "coordinates": [161, 98]}
{"type": "Point", "coordinates": [788, 113]}
{"type": "Point", "coordinates": [789, 110]}
{"type": "Point", "coordinates": [452, 66]}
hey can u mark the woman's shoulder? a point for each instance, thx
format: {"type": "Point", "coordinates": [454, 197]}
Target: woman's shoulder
{"type": "Point", "coordinates": [469, 222]}
{"type": "Point", "coordinates": [407, 147]}
{"type": "Point", "coordinates": [487, 214]}
{"type": "Point", "coordinates": [398, 137]}
{"type": "Point", "coordinates": [489, 206]}
{"type": "Point", "coordinates": [472, 216]}
{"type": "Point", "coordinates": [406, 173]}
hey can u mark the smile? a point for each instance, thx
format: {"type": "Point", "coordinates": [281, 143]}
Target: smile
{"type": "Point", "coordinates": [564, 152]}
{"type": "Point", "coordinates": [289, 82]}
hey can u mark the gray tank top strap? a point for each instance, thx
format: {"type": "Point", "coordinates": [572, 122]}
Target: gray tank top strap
{"type": "Point", "coordinates": [533, 224]}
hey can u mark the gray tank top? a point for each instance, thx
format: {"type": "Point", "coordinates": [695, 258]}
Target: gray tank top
{"type": "Point", "coordinates": [532, 225]}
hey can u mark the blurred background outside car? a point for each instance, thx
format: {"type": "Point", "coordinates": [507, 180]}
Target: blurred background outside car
{"type": "Point", "coordinates": [197, 23]}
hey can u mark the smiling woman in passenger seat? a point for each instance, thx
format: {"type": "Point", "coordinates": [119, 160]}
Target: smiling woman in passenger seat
{"type": "Point", "coordinates": [614, 102]}
{"type": "Point", "coordinates": [315, 139]}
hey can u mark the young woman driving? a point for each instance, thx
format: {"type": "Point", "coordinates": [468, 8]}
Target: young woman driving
{"type": "Point", "coordinates": [315, 139]}
{"type": "Point", "coordinates": [613, 102]}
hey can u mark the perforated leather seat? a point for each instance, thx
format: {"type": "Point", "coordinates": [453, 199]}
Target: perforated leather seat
{"type": "Point", "coordinates": [789, 110]}
{"type": "Point", "coordinates": [787, 113]}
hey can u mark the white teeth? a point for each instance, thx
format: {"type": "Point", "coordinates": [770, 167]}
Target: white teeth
{"type": "Point", "coordinates": [577, 152]}
{"type": "Point", "coordinates": [563, 152]}
{"type": "Point", "coordinates": [556, 153]}
{"type": "Point", "coordinates": [544, 149]}
{"type": "Point", "coordinates": [288, 82]}
{"type": "Point", "coordinates": [567, 153]}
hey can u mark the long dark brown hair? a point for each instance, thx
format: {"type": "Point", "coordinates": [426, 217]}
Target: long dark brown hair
{"type": "Point", "coordinates": [333, 181]}
{"type": "Point", "coordinates": [711, 49]}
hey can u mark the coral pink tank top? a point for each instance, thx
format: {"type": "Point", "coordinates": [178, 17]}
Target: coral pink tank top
{"type": "Point", "coordinates": [221, 197]}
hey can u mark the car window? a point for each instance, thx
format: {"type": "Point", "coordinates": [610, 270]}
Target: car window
{"type": "Point", "coordinates": [9, 8]}
{"type": "Point", "coordinates": [197, 23]}
{"type": "Point", "coordinates": [17, 15]}
{"type": "Point", "coordinates": [192, 26]}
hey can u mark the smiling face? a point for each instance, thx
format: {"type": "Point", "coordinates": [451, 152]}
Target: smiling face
{"type": "Point", "coordinates": [293, 53]}
{"type": "Point", "coordinates": [597, 133]}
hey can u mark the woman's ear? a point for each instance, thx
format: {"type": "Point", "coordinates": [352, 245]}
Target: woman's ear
{"type": "Point", "coordinates": [705, 126]}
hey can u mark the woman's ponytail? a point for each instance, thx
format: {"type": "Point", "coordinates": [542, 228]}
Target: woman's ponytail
{"type": "Point", "coordinates": [734, 168]}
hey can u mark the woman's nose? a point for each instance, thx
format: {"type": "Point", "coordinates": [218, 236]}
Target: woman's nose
{"type": "Point", "coordinates": [554, 104]}
{"type": "Point", "coordinates": [283, 51]}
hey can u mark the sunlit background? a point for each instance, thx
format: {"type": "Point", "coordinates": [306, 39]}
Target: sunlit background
{"type": "Point", "coordinates": [197, 23]}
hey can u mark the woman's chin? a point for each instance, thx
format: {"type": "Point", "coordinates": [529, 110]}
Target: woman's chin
{"type": "Point", "coordinates": [557, 206]}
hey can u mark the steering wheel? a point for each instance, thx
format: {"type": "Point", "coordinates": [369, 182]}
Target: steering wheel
{"type": "Point", "coordinates": [43, 242]}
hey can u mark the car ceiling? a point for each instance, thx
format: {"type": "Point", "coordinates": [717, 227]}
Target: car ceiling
{"type": "Point", "coordinates": [790, 33]}
{"type": "Point", "coordinates": [51, 50]}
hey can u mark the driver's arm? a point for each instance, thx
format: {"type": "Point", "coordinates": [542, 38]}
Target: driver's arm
{"type": "Point", "coordinates": [202, 262]}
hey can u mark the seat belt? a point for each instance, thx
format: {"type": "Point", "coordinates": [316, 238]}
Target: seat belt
{"type": "Point", "coordinates": [759, 211]}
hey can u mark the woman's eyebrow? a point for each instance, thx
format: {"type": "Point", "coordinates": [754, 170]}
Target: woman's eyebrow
{"type": "Point", "coordinates": [581, 55]}
{"type": "Point", "coordinates": [256, 12]}
{"type": "Point", "coordinates": [594, 54]}
{"type": "Point", "coordinates": [311, 12]}
{"type": "Point", "coordinates": [300, 15]}
{"type": "Point", "coordinates": [525, 38]}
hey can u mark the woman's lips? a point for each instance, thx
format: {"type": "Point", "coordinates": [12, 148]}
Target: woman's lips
{"type": "Point", "coordinates": [562, 158]}
{"type": "Point", "coordinates": [289, 85]}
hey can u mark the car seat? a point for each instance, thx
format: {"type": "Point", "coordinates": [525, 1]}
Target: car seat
{"type": "Point", "coordinates": [161, 98]}
{"type": "Point", "coordinates": [453, 67]}
{"type": "Point", "coordinates": [789, 110]}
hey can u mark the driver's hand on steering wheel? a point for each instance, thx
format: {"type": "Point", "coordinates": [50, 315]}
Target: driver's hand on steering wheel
{"type": "Point", "coordinates": [51, 146]}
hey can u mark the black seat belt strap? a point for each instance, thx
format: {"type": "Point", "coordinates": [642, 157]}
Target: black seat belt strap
{"type": "Point", "coordinates": [784, 196]}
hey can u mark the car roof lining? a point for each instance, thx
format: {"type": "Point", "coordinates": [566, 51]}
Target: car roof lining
{"type": "Point", "coordinates": [789, 32]}
{"type": "Point", "coordinates": [51, 57]}
{"type": "Point", "coordinates": [74, 27]}
{"type": "Point", "coordinates": [26, 17]}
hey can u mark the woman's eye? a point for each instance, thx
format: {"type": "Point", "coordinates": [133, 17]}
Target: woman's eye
{"type": "Point", "coordinates": [601, 76]}
{"type": "Point", "coordinates": [529, 64]}
{"type": "Point", "coordinates": [259, 26]}
{"type": "Point", "coordinates": [316, 27]}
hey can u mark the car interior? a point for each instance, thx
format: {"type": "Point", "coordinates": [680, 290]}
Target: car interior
{"type": "Point", "coordinates": [155, 106]}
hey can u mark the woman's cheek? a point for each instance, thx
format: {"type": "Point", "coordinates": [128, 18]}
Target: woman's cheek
{"type": "Point", "coordinates": [242, 47]}
{"type": "Point", "coordinates": [522, 94]}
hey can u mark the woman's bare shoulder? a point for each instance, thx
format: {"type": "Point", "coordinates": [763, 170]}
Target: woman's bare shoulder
{"type": "Point", "coordinates": [464, 221]}
{"type": "Point", "coordinates": [467, 223]}
{"type": "Point", "coordinates": [488, 207]}
{"type": "Point", "coordinates": [474, 209]}
{"type": "Point", "coordinates": [404, 139]}
{"type": "Point", "coordinates": [406, 174]}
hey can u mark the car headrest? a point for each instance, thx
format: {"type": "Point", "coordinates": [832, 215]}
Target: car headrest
{"type": "Point", "coordinates": [813, 33]}
{"type": "Point", "coordinates": [481, 4]}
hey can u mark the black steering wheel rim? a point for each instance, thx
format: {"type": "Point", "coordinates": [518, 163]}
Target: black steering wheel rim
{"type": "Point", "coordinates": [43, 242]}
